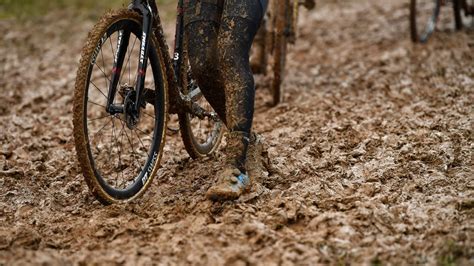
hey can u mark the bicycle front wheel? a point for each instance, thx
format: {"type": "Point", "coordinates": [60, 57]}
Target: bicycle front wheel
{"type": "Point", "coordinates": [118, 160]}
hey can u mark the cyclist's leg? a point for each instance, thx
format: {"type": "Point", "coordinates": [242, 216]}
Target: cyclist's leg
{"type": "Point", "coordinates": [239, 24]}
{"type": "Point", "coordinates": [202, 25]}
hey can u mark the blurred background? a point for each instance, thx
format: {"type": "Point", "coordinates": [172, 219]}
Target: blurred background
{"type": "Point", "coordinates": [29, 9]}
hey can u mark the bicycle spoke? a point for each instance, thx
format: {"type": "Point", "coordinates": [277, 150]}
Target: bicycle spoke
{"type": "Point", "coordinates": [103, 72]}
{"type": "Point", "coordinates": [133, 151]}
{"type": "Point", "coordinates": [124, 66]}
{"type": "Point", "coordinates": [93, 136]}
{"type": "Point", "coordinates": [103, 65]}
{"type": "Point", "coordinates": [143, 132]}
{"type": "Point", "coordinates": [121, 138]}
{"type": "Point", "coordinates": [112, 47]}
{"type": "Point", "coordinates": [94, 119]}
{"type": "Point", "coordinates": [93, 84]}
{"type": "Point", "coordinates": [89, 101]}
{"type": "Point", "coordinates": [141, 143]}
{"type": "Point", "coordinates": [130, 141]}
{"type": "Point", "coordinates": [114, 140]}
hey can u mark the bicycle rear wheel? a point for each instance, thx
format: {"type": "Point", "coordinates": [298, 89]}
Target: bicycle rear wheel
{"type": "Point", "coordinates": [457, 14]}
{"type": "Point", "coordinates": [423, 18]}
{"type": "Point", "coordinates": [118, 161]}
{"type": "Point", "coordinates": [201, 135]}
{"type": "Point", "coordinates": [280, 45]}
{"type": "Point", "coordinates": [258, 55]}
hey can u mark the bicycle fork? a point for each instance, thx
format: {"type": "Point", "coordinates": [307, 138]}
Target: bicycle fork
{"type": "Point", "coordinates": [141, 95]}
{"type": "Point", "coordinates": [133, 101]}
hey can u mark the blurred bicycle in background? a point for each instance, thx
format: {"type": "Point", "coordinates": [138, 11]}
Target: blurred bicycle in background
{"type": "Point", "coordinates": [425, 16]}
{"type": "Point", "coordinates": [278, 29]}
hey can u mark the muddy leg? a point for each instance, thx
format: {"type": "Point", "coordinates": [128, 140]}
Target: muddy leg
{"type": "Point", "coordinates": [238, 26]}
{"type": "Point", "coordinates": [202, 49]}
{"type": "Point", "coordinates": [235, 38]}
{"type": "Point", "coordinates": [202, 21]}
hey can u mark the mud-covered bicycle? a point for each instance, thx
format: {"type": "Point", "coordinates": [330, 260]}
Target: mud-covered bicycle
{"type": "Point", "coordinates": [278, 29]}
{"type": "Point", "coordinates": [121, 106]}
{"type": "Point", "coordinates": [424, 16]}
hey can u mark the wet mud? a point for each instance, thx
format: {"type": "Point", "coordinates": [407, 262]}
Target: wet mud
{"type": "Point", "coordinates": [367, 160]}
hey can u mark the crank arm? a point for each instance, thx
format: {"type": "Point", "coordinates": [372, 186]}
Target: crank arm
{"type": "Point", "coordinates": [186, 102]}
{"type": "Point", "coordinates": [201, 113]}
{"type": "Point", "coordinates": [194, 94]}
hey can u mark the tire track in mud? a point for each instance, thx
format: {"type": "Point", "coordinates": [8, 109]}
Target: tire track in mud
{"type": "Point", "coordinates": [370, 155]}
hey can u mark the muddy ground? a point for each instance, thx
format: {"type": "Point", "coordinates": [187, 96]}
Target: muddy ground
{"type": "Point", "coordinates": [370, 156]}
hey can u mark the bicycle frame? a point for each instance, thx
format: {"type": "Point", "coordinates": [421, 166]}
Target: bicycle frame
{"type": "Point", "coordinates": [152, 24]}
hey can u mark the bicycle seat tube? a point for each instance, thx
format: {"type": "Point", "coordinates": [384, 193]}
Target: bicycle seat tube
{"type": "Point", "coordinates": [179, 101]}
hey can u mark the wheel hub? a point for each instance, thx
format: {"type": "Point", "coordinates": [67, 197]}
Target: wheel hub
{"type": "Point", "coordinates": [131, 115]}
